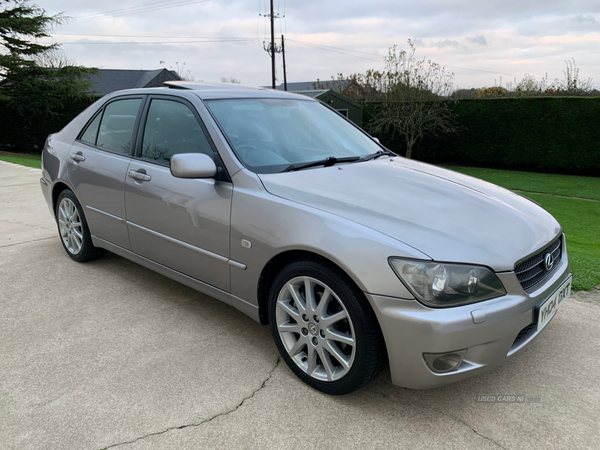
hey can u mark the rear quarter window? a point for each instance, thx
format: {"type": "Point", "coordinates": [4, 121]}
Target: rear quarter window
{"type": "Point", "coordinates": [116, 127]}
{"type": "Point", "coordinates": [90, 134]}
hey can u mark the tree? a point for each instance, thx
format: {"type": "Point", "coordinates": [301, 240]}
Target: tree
{"type": "Point", "coordinates": [573, 84]}
{"type": "Point", "coordinates": [464, 94]}
{"type": "Point", "coordinates": [357, 86]}
{"type": "Point", "coordinates": [231, 80]}
{"type": "Point", "coordinates": [180, 71]}
{"type": "Point", "coordinates": [492, 92]}
{"type": "Point", "coordinates": [414, 96]}
{"type": "Point", "coordinates": [54, 58]}
{"type": "Point", "coordinates": [529, 86]}
{"type": "Point", "coordinates": [28, 86]}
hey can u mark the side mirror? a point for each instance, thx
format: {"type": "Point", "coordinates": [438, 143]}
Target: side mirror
{"type": "Point", "coordinates": [193, 165]}
{"type": "Point", "coordinates": [375, 139]}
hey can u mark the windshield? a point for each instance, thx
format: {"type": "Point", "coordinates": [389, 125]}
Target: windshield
{"type": "Point", "coordinates": [269, 135]}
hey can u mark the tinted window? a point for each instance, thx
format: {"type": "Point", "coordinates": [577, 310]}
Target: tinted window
{"type": "Point", "coordinates": [172, 128]}
{"type": "Point", "coordinates": [91, 132]}
{"type": "Point", "coordinates": [117, 124]}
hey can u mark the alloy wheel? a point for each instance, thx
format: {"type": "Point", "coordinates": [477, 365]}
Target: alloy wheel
{"type": "Point", "coordinates": [70, 226]}
{"type": "Point", "coordinates": [315, 329]}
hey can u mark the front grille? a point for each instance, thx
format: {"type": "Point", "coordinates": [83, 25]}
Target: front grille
{"type": "Point", "coordinates": [524, 332]}
{"type": "Point", "coordinates": [532, 272]}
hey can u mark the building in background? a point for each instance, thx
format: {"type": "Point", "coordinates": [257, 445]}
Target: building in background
{"type": "Point", "coordinates": [111, 80]}
{"type": "Point", "coordinates": [343, 105]}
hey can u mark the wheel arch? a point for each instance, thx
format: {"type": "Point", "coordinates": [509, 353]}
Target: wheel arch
{"type": "Point", "coordinates": [57, 189]}
{"type": "Point", "coordinates": [276, 264]}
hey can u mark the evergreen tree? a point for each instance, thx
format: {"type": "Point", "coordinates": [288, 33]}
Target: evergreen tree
{"type": "Point", "coordinates": [26, 86]}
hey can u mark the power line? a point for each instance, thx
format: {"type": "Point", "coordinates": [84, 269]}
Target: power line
{"type": "Point", "coordinates": [480, 70]}
{"type": "Point", "coordinates": [336, 48]}
{"type": "Point", "coordinates": [138, 10]}
{"type": "Point", "coordinates": [157, 42]}
{"type": "Point", "coordinates": [152, 36]}
{"type": "Point", "coordinates": [88, 16]}
{"type": "Point", "coordinates": [330, 48]}
{"type": "Point", "coordinates": [341, 51]}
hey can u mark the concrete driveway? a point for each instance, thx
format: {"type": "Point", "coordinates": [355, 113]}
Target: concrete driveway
{"type": "Point", "coordinates": [111, 355]}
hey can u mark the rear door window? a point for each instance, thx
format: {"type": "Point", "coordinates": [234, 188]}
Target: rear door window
{"type": "Point", "coordinates": [116, 128]}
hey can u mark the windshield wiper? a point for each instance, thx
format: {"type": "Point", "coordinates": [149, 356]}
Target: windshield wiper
{"type": "Point", "coordinates": [326, 162]}
{"type": "Point", "coordinates": [376, 155]}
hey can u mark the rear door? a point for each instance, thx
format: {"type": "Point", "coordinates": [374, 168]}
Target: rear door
{"type": "Point", "coordinates": [97, 167]}
{"type": "Point", "coordinates": [180, 223]}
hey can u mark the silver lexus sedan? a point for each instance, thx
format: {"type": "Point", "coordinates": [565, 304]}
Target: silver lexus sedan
{"type": "Point", "coordinates": [276, 204]}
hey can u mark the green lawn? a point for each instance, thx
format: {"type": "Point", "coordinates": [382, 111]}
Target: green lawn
{"type": "Point", "coordinates": [579, 218]}
{"type": "Point", "coordinates": [567, 185]}
{"type": "Point", "coordinates": [25, 160]}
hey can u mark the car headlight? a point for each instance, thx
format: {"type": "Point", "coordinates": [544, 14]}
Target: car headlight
{"type": "Point", "coordinates": [443, 285]}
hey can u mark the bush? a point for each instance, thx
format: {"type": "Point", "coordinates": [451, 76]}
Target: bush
{"type": "Point", "coordinates": [492, 92]}
{"type": "Point", "coordinates": [26, 133]}
{"type": "Point", "coordinates": [544, 134]}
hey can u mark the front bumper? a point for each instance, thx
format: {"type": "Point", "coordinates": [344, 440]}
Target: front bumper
{"type": "Point", "coordinates": [411, 329]}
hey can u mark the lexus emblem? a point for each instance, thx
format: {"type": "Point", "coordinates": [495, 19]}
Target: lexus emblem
{"type": "Point", "coordinates": [548, 261]}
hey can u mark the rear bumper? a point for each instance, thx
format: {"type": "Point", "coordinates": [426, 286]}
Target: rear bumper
{"type": "Point", "coordinates": [411, 329]}
{"type": "Point", "coordinates": [47, 191]}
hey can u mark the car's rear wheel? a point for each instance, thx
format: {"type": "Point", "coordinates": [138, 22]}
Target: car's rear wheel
{"type": "Point", "coordinates": [324, 328]}
{"type": "Point", "coordinates": [73, 229]}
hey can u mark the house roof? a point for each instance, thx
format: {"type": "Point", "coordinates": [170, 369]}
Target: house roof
{"type": "Point", "coordinates": [111, 80]}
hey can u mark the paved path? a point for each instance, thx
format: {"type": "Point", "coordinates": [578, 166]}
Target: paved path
{"type": "Point", "coordinates": [110, 355]}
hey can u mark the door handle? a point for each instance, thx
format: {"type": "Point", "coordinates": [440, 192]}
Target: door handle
{"type": "Point", "coordinates": [138, 176]}
{"type": "Point", "coordinates": [77, 157]}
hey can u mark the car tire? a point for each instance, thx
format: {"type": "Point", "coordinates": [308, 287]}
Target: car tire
{"type": "Point", "coordinates": [73, 229]}
{"type": "Point", "coordinates": [335, 347]}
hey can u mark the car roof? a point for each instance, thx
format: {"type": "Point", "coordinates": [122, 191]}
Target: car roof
{"type": "Point", "coordinates": [211, 91]}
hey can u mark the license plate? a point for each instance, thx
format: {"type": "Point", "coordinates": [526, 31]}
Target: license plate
{"type": "Point", "coordinates": [551, 305]}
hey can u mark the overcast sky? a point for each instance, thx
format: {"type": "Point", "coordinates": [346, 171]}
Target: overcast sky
{"type": "Point", "coordinates": [480, 41]}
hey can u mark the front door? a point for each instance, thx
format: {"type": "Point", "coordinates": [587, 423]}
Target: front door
{"type": "Point", "coordinates": [97, 168]}
{"type": "Point", "coordinates": [180, 223]}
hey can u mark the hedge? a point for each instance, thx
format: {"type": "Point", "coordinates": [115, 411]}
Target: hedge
{"type": "Point", "coordinates": [27, 133]}
{"type": "Point", "coordinates": [544, 134]}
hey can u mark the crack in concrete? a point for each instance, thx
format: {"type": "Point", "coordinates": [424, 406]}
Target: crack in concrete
{"type": "Point", "coordinates": [239, 405]}
{"type": "Point", "coordinates": [27, 242]}
{"type": "Point", "coordinates": [456, 419]}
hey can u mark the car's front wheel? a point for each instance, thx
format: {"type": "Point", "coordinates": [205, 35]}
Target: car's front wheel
{"type": "Point", "coordinates": [73, 229]}
{"type": "Point", "coordinates": [324, 328]}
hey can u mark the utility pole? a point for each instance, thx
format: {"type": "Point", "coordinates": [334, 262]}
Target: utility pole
{"type": "Point", "coordinates": [271, 49]}
{"type": "Point", "coordinates": [272, 17]}
{"type": "Point", "coordinates": [284, 70]}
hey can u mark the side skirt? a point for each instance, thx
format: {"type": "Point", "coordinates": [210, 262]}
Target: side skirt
{"type": "Point", "coordinates": [245, 307]}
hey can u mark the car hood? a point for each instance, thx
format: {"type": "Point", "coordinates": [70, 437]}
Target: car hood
{"type": "Point", "coordinates": [446, 215]}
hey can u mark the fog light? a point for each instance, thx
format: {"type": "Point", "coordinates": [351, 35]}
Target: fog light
{"type": "Point", "coordinates": [444, 362]}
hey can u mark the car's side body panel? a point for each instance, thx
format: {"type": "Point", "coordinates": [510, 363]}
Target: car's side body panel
{"type": "Point", "coordinates": [180, 223]}
{"type": "Point", "coordinates": [274, 225]}
{"type": "Point", "coordinates": [99, 183]}
{"type": "Point", "coordinates": [167, 271]}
